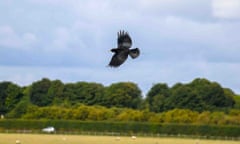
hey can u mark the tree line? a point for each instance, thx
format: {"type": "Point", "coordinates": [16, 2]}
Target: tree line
{"type": "Point", "coordinates": [47, 95]}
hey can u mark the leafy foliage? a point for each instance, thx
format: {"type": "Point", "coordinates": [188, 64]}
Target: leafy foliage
{"type": "Point", "coordinates": [199, 95]}
{"type": "Point", "coordinates": [156, 97]}
{"type": "Point", "coordinates": [39, 93]}
{"type": "Point", "coordinates": [83, 92]}
{"type": "Point", "coordinates": [200, 101]}
{"type": "Point", "coordinates": [10, 95]}
{"type": "Point", "coordinates": [123, 94]}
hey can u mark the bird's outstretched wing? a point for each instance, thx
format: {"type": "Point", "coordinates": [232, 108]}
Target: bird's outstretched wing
{"type": "Point", "coordinates": [124, 40]}
{"type": "Point", "coordinates": [119, 57]}
{"type": "Point", "coordinates": [134, 53]}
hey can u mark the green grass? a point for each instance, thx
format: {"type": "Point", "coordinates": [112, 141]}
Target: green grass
{"type": "Point", "coordinates": [79, 139]}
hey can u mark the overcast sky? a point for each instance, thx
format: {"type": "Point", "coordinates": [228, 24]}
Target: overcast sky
{"type": "Point", "coordinates": [69, 40]}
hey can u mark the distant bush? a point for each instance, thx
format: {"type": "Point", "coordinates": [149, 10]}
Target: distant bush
{"type": "Point", "coordinates": [100, 113]}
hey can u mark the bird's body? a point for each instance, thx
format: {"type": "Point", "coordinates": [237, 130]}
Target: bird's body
{"type": "Point", "coordinates": [123, 50]}
{"type": "Point", "coordinates": [121, 54]}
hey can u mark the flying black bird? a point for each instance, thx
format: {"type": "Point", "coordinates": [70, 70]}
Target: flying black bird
{"type": "Point", "coordinates": [123, 50]}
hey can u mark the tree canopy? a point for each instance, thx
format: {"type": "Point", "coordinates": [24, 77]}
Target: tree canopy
{"type": "Point", "coordinates": [199, 95]}
{"type": "Point", "coordinates": [10, 95]}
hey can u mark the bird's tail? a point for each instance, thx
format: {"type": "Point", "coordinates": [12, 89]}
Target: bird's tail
{"type": "Point", "coordinates": [134, 53]}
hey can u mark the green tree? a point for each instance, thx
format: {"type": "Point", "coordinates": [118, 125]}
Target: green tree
{"type": "Point", "coordinates": [184, 97]}
{"type": "Point", "coordinates": [158, 103]}
{"type": "Point", "coordinates": [229, 94]}
{"type": "Point", "coordinates": [123, 94]}
{"type": "Point", "coordinates": [20, 109]}
{"type": "Point", "coordinates": [39, 93]}
{"type": "Point", "coordinates": [198, 95]}
{"type": "Point", "coordinates": [156, 97]}
{"type": "Point", "coordinates": [83, 92]}
{"type": "Point", "coordinates": [93, 93]}
{"type": "Point", "coordinates": [10, 95]}
{"type": "Point", "coordinates": [69, 93]}
{"type": "Point", "coordinates": [55, 91]}
{"type": "Point", "coordinates": [212, 93]}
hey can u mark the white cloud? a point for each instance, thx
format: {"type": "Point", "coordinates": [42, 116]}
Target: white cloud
{"type": "Point", "coordinates": [53, 2]}
{"type": "Point", "coordinates": [8, 37]}
{"type": "Point", "coordinates": [194, 31]}
{"type": "Point", "coordinates": [227, 9]}
{"type": "Point", "coordinates": [29, 39]}
{"type": "Point", "coordinates": [61, 39]}
{"type": "Point", "coordinates": [176, 38]}
{"type": "Point", "coordinates": [11, 39]}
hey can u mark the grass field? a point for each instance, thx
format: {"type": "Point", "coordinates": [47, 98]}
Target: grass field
{"type": "Point", "coordinates": [79, 139]}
